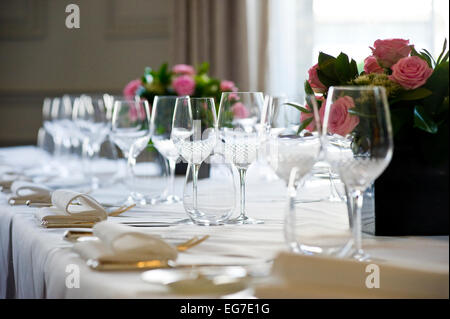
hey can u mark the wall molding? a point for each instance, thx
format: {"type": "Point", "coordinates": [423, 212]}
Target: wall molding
{"type": "Point", "coordinates": [30, 25]}
{"type": "Point", "coordinates": [118, 27]}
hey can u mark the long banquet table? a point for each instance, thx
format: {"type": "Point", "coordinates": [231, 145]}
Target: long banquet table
{"type": "Point", "coordinates": [34, 260]}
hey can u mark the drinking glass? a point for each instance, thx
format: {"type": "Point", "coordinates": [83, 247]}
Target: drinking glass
{"type": "Point", "coordinates": [73, 140]}
{"type": "Point", "coordinates": [90, 119]}
{"type": "Point", "coordinates": [194, 136]}
{"type": "Point", "coordinates": [359, 141]}
{"type": "Point", "coordinates": [286, 114]}
{"type": "Point", "coordinates": [56, 123]}
{"type": "Point", "coordinates": [161, 126]}
{"type": "Point", "coordinates": [240, 133]}
{"type": "Point", "coordinates": [130, 131]}
{"type": "Point", "coordinates": [45, 138]}
{"type": "Point", "coordinates": [294, 149]}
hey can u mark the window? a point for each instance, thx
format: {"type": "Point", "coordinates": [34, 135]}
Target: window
{"type": "Point", "coordinates": [300, 29]}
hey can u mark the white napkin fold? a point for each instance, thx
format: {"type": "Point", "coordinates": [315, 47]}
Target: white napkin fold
{"type": "Point", "coordinates": [120, 243]}
{"type": "Point", "coordinates": [71, 209]}
{"type": "Point", "coordinates": [323, 277]}
{"type": "Point", "coordinates": [8, 177]}
{"type": "Point", "coordinates": [22, 191]}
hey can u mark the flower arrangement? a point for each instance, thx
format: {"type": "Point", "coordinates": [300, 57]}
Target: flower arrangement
{"type": "Point", "coordinates": [417, 88]}
{"type": "Point", "coordinates": [181, 79]}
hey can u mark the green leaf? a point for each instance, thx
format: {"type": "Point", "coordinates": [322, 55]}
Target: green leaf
{"type": "Point", "coordinates": [203, 68]}
{"type": "Point", "coordinates": [354, 112]}
{"type": "Point", "coordinates": [444, 59]}
{"type": "Point", "coordinates": [325, 80]}
{"type": "Point", "coordinates": [308, 89]}
{"type": "Point", "coordinates": [422, 56]}
{"type": "Point", "coordinates": [298, 107]}
{"type": "Point", "coordinates": [343, 68]}
{"type": "Point", "coordinates": [304, 125]}
{"type": "Point", "coordinates": [354, 68]}
{"type": "Point", "coordinates": [423, 120]}
{"type": "Point", "coordinates": [425, 51]}
{"type": "Point", "coordinates": [416, 94]}
{"type": "Point", "coordinates": [327, 65]}
{"type": "Point", "coordinates": [438, 84]}
{"type": "Point", "coordinates": [444, 47]}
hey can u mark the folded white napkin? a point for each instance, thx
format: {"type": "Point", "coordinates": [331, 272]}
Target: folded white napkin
{"type": "Point", "coordinates": [120, 243]}
{"type": "Point", "coordinates": [8, 177]}
{"type": "Point", "coordinates": [71, 209]}
{"type": "Point", "coordinates": [323, 277]}
{"type": "Point", "coordinates": [22, 191]}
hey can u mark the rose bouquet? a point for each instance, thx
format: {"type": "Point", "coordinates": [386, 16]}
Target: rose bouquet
{"type": "Point", "coordinates": [411, 194]}
{"type": "Point", "coordinates": [417, 88]}
{"type": "Point", "coordinates": [181, 80]}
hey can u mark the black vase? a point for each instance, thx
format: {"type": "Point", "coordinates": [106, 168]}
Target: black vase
{"type": "Point", "coordinates": [411, 196]}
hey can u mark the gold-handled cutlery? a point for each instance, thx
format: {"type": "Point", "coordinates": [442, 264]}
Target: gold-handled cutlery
{"type": "Point", "coordinates": [147, 264]}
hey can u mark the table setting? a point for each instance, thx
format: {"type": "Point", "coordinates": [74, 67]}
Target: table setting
{"type": "Point", "coordinates": [186, 187]}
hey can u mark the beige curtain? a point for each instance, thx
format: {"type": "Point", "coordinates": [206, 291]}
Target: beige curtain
{"type": "Point", "coordinates": [213, 31]}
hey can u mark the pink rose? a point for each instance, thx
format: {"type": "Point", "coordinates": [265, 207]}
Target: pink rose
{"type": "Point", "coordinates": [340, 121]}
{"type": "Point", "coordinates": [183, 69]}
{"type": "Point", "coordinates": [389, 51]}
{"type": "Point", "coordinates": [240, 111]}
{"type": "Point", "coordinates": [184, 85]}
{"type": "Point", "coordinates": [411, 72]}
{"type": "Point", "coordinates": [314, 81]}
{"type": "Point", "coordinates": [371, 65]}
{"type": "Point", "coordinates": [228, 86]}
{"type": "Point", "coordinates": [137, 110]}
{"type": "Point", "coordinates": [131, 88]}
{"type": "Point", "coordinates": [304, 116]}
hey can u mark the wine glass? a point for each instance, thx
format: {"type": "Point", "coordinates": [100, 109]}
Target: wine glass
{"type": "Point", "coordinates": [287, 114]}
{"type": "Point", "coordinates": [294, 148]}
{"type": "Point", "coordinates": [90, 119]}
{"type": "Point", "coordinates": [194, 136]}
{"type": "Point", "coordinates": [56, 122]}
{"type": "Point", "coordinates": [161, 126]}
{"type": "Point", "coordinates": [130, 131]}
{"type": "Point", "coordinates": [240, 133]}
{"type": "Point", "coordinates": [44, 133]}
{"type": "Point", "coordinates": [293, 140]}
{"type": "Point", "coordinates": [358, 132]}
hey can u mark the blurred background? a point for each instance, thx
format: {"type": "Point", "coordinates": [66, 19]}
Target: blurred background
{"type": "Point", "coordinates": [265, 45]}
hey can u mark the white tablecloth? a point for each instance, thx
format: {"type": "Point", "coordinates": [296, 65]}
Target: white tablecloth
{"type": "Point", "coordinates": [33, 259]}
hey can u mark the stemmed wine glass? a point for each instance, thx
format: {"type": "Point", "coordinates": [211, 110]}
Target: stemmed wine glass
{"type": "Point", "coordinates": [358, 132]}
{"type": "Point", "coordinates": [130, 131]}
{"type": "Point", "coordinates": [161, 126]}
{"type": "Point", "coordinates": [240, 131]}
{"type": "Point", "coordinates": [286, 114]}
{"type": "Point", "coordinates": [57, 124]}
{"type": "Point", "coordinates": [194, 136]}
{"type": "Point", "coordinates": [90, 119]}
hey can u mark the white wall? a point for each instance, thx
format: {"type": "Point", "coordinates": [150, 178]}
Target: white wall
{"type": "Point", "coordinates": [40, 57]}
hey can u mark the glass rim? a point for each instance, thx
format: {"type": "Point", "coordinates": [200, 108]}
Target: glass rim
{"type": "Point", "coordinates": [357, 87]}
{"type": "Point", "coordinates": [195, 98]}
{"type": "Point", "coordinates": [243, 92]}
{"type": "Point", "coordinates": [168, 96]}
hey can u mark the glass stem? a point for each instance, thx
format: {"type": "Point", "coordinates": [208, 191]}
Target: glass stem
{"type": "Point", "coordinates": [172, 164]}
{"type": "Point", "coordinates": [195, 168]}
{"type": "Point", "coordinates": [242, 173]}
{"type": "Point", "coordinates": [131, 162]}
{"type": "Point", "coordinates": [357, 229]}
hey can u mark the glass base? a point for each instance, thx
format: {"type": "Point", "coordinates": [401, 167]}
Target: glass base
{"type": "Point", "coordinates": [166, 199]}
{"type": "Point", "coordinates": [244, 220]}
{"type": "Point", "coordinates": [136, 198]}
{"type": "Point", "coordinates": [361, 255]}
